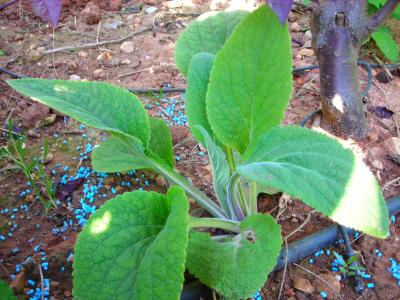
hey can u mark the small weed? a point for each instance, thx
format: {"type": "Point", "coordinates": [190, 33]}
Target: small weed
{"type": "Point", "coordinates": [39, 181]}
{"type": "Point", "coordinates": [348, 268]}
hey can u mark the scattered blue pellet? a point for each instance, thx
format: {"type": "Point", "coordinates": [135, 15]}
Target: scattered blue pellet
{"type": "Point", "coordinates": [257, 296]}
{"type": "Point", "coordinates": [378, 253]}
{"type": "Point", "coordinates": [201, 153]}
{"type": "Point", "coordinates": [31, 282]}
{"type": "Point", "coordinates": [393, 218]}
{"type": "Point", "coordinates": [15, 251]}
{"type": "Point", "coordinates": [394, 269]}
{"type": "Point", "coordinates": [45, 266]}
{"type": "Point", "coordinates": [311, 261]}
{"type": "Point", "coordinates": [370, 285]}
{"type": "Point", "coordinates": [18, 268]}
{"type": "Point", "coordinates": [323, 294]}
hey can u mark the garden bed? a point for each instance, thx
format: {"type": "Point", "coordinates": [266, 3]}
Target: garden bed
{"type": "Point", "coordinates": [34, 243]}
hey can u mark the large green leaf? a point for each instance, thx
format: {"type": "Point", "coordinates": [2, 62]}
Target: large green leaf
{"type": "Point", "coordinates": [133, 247]}
{"type": "Point", "coordinates": [238, 266]}
{"type": "Point", "coordinates": [207, 34]}
{"type": "Point", "coordinates": [161, 141]}
{"type": "Point", "coordinates": [197, 83]}
{"type": "Point", "coordinates": [219, 167]}
{"type": "Point", "coordinates": [250, 83]}
{"type": "Point", "coordinates": [5, 292]}
{"type": "Point", "coordinates": [323, 174]}
{"type": "Point", "coordinates": [386, 43]}
{"type": "Point", "coordinates": [96, 104]}
{"type": "Point", "coordinates": [119, 154]}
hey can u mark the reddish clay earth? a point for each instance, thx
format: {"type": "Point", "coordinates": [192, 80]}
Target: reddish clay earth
{"type": "Point", "coordinates": [51, 238]}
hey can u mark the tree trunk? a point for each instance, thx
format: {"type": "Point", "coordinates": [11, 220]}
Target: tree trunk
{"type": "Point", "coordinates": [339, 28]}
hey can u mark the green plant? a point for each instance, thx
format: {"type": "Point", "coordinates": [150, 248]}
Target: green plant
{"type": "Point", "coordinates": [238, 67]}
{"type": "Point", "coordinates": [383, 37]}
{"type": "Point", "coordinates": [5, 292]}
{"type": "Point", "coordinates": [349, 267]}
{"type": "Point", "coordinates": [32, 168]}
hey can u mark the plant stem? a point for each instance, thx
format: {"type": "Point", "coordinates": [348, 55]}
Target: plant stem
{"type": "Point", "coordinates": [253, 197]}
{"type": "Point", "coordinates": [193, 192]}
{"type": "Point", "coordinates": [240, 194]}
{"type": "Point", "coordinates": [228, 225]}
{"type": "Point", "coordinates": [233, 200]}
{"type": "Point", "coordinates": [231, 160]}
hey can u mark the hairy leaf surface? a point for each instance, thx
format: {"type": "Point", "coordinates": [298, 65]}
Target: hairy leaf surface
{"type": "Point", "coordinates": [250, 82]}
{"type": "Point", "coordinates": [207, 34]}
{"type": "Point", "coordinates": [323, 174]}
{"type": "Point", "coordinates": [161, 141]}
{"type": "Point", "coordinates": [239, 265]}
{"type": "Point", "coordinates": [119, 154]}
{"type": "Point", "coordinates": [97, 104]}
{"type": "Point", "coordinates": [197, 83]}
{"type": "Point", "coordinates": [133, 247]}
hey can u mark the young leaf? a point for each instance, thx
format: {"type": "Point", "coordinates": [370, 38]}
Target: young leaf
{"type": "Point", "coordinates": [340, 259]}
{"type": "Point", "coordinates": [133, 247]}
{"type": "Point", "coordinates": [5, 292]}
{"type": "Point", "coordinates": [386, 43]}
{"type": "Point", "coordinates": [197, 83]}
{"type": "Point", "coordinates": [239, 265]}
{"type": "Point", "coordinates": [96, 104]}
{"type": "Point", "coordinates": [249, 89]}
{"type": "Point", "coordinates": [281, 8]}
{"type": "Point", "coordinates": [207, 34]}
{"type": "Point", "coordinates": [351, 260]}
{"type": "Point", "coordinates": [219, 167]}
{"type": "Point", "coordinates": [48, 10]}
{"type": "Point", "coordinates": [161, 141]}
{"type": "Point", "coordinates": [323, 174]}
{"type": "Point", "coordinates": [119, 154]}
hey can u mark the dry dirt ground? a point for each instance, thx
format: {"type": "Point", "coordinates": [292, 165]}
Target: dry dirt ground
{"type": "Point", "coordinates": [29, 239]}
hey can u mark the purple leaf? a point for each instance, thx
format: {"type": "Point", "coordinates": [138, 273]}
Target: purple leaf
{"type": "Point", "coordinates": [63, 191]}
{"type": "Point", "coordinates": [281, 8]}
{"type": "Point", "coordinates": [48, 10]}
{"type": "Point", "coordinates": [383, 112]}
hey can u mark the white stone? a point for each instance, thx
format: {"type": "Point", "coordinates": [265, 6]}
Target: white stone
{"type": "Point", "coordinates": [127, 47]}
{"type": "Point", "coordinates": [74, 77]}
{"type": "Point", "coordinates": [150, 10]}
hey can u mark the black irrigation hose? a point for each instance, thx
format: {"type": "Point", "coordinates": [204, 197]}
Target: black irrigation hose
{"type": "Point", "coordinates": [308, 245]}
{"type": "Point", "coordinates": [309, 117]}
{"type": "Point", "coordinates": [3, 6]}
{"type": "Point", "coordinates": [12, 74]}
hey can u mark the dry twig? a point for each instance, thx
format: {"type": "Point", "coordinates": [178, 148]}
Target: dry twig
{"type": "Point", "coordinates": [287, 250]}
{"type": "Point", "coordinates": [96, 44]}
